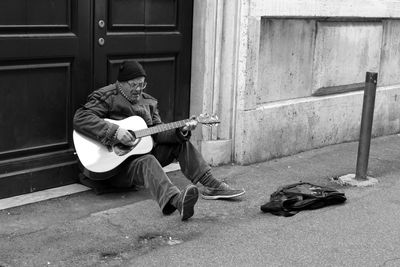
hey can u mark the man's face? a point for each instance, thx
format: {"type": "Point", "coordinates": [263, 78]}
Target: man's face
{"type": "Point", "coordinates": [135, 87]}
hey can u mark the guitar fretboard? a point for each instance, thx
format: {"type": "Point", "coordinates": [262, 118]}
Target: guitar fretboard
{"type": "Point", "coordinates": [160, 128]}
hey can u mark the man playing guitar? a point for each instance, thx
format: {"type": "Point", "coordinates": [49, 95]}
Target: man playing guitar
{"type": "Point", "coordinates": [97, 119]}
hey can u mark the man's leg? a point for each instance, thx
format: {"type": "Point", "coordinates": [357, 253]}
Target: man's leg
{"type": "Point", "coordinates": [192, 164]}
{"type": "Point", "coordinates": [195, 168]}
{"type": "Point", "coordinates": [146, 171]}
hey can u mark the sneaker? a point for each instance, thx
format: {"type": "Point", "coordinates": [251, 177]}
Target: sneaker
{"type": "Point", "coordinates": [186, 202]}
{"type": "Point", "coordinates": [224, 191]}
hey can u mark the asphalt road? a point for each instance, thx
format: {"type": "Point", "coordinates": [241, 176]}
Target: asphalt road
{"type": "Point", "coordinates": [129, 230]}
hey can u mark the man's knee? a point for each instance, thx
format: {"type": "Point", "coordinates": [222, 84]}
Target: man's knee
{"type": "Point", "coordinates": [183, 146]}
{"type": "Point", "coordinates": [147, 160]}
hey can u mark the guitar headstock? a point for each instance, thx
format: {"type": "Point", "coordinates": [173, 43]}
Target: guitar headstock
{"type": "Point", "coordinates": [208, 120]}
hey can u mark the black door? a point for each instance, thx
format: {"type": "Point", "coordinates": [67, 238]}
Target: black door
{"type": "Point", "coordinates": [155, 32]}
{"type": "Point", "coordinates": [51, 58]}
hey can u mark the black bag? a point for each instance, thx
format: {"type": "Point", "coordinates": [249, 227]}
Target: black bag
{"type": "Point", "coordinates": [290, 199]}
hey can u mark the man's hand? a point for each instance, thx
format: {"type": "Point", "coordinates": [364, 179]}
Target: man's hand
{"type": "Point", "coordinates": [191, 125]}
{"type": "Point", "coordinates": [125, 137]}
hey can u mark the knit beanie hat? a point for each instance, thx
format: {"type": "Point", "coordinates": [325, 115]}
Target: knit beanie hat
{"type": "Point", "coordinates": [129, 70]}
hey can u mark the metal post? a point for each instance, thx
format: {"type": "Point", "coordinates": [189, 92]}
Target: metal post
{"type": "Point", "coordinates": [366, 125]}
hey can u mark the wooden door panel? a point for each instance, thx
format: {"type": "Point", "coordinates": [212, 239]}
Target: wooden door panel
{"type": "Point", "coordinates": [35, 14]}
{"type": "Point", "coordinates": [125, 13]}
{"type": "Point", "coordinates": [35, 107]}
{"type": "Point", "coordinates": [161, 13]}
{"type": "Point", "coordinates": [44, 45]}
{"type": "Point", "coordinates": [164, 68]}
{"type": "Point", "coordinates": [142, 13]}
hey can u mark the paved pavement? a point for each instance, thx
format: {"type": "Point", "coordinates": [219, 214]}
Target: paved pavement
{"type": "Point", "coordinates": [128, 229]}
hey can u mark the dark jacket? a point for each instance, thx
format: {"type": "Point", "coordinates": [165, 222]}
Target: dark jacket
{"type": "Point", "coordinates": [107, 102]}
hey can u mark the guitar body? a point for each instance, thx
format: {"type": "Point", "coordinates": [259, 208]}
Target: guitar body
{"type": "Point", "coordinates": [101, 162]}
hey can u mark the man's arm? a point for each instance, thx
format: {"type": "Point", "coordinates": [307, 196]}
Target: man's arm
{"type": "Point", "coordinates": [89, 120]}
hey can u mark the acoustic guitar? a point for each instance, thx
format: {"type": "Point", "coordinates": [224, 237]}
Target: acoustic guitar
{"type": "Point", "coordinates": [101, 162]}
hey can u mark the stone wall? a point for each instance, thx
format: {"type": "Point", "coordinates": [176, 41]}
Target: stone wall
{"type": "Point", "coordinates": [294, 49]}
{"type": "Point", "coordinates": [262, 65]}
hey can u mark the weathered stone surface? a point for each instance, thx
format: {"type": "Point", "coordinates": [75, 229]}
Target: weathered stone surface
{"type": "Point", "coordinates": [285, 128]}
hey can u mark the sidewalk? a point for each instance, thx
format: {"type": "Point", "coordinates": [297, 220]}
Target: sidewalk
{"type": "Point", "coordinates": [129, 230]}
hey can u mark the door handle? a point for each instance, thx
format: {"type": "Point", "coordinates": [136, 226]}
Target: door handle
{"type": "Point", "coordinates": [101, 24]}
{"type": "Point", "coordinates": [101, 41]}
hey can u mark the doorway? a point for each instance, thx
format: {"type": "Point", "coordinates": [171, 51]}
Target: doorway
{"type": "Point", "coordinates": [53, 54]}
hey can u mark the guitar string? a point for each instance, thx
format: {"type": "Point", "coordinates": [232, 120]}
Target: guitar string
{"type": "Point", "coordinates": [161, 128]}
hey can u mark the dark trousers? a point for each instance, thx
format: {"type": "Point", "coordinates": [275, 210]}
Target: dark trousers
{"type": "Point", "coordinates": [146, 170]}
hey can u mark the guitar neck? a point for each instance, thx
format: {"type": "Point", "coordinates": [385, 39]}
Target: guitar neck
{"type": "Point", "coordinates": [160, 128]}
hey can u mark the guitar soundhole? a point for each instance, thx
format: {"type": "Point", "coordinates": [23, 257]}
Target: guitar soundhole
{"type": "Point", "coordinates": [121, 149]}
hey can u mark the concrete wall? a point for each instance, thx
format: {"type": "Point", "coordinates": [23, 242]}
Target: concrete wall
{"type": "Point", "coordinates": [294, 48]}
{"type": "Point", "coordinates": [258, 63]}
{"type": "Point", "coordinates": [285, 59]}
{"type": "Point", "coordinates": [344, 51]}
{"type": "Point", "coordinates": [288, 127]}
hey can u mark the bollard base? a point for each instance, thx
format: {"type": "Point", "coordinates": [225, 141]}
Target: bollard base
{"type": "Point", "coordinates": [350, 179]}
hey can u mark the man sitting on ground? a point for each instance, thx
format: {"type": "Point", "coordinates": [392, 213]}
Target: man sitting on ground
{"type": "Point", "coordinates": [125, 98]}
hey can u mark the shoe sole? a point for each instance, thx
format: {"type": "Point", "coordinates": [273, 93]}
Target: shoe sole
{"type": "Point", "coordinates": [222, 197]}
{"type": "Point", "coordinates": [190, 198]}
